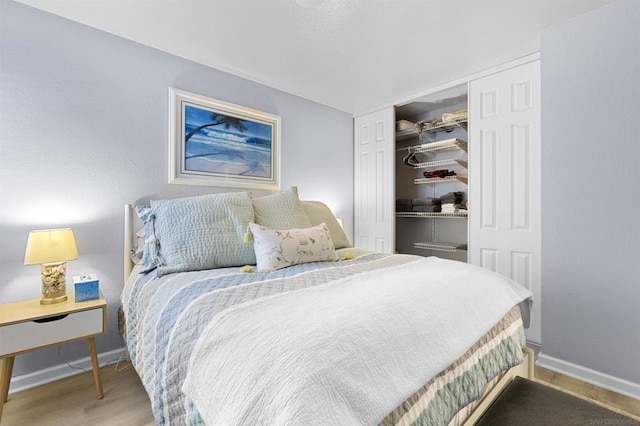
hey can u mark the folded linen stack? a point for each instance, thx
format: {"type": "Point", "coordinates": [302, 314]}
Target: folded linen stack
{"type": "Point", "coordinates": [426, 205]}
{"type": "Point", "coordinates": [404, 125]}
{"type": "Point", "coordinates": [450, 116]}
{"type": "Point", "coordinates": [452, 197]}
{"type": "Point", "coordinates": [429, 209]}
{"type": "Point", "coordinates": [403, 205]}
{"type": "Point", "coordinates": [418, 205]}
{"type": "Point", "coordinates": [452, 202]}
{"type": "Point", "coordinates": [452, 208]}
{"type": "Point", "coordinates": [426, 201]}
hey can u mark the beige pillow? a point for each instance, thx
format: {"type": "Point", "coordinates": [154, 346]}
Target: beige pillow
{"type": "Point", "coordinates": [277, 249]}
{"type": "Point", "coordinates": [281, 211]}
{"type": "Point", "coordinates": [319, 213]}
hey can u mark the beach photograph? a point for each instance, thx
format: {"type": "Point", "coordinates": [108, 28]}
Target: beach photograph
{"type": "Point", "coordinates": [221, 144]}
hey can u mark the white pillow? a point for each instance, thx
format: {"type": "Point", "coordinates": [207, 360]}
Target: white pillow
{"type": "Point", "coordinates": [276, 249]}
{"type": "Point", "coordinates": [281, 211]}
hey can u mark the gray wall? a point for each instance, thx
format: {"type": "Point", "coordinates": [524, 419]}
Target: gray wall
{"type": "Point", "coordinates": [83, 130]}
{"type": "Point", "coordinates": [591, 190]}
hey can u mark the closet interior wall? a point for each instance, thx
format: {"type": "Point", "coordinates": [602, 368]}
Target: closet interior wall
{"type": "Point", "coordinates": [412, 231]}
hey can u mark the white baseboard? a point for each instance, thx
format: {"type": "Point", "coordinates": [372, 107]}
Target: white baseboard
{"type": "Point", "coordinates": [40, 377]}
{"type": "Point", "coordinates": [51, 374]}
{"type": "Point", "coordinates": [588, 375]}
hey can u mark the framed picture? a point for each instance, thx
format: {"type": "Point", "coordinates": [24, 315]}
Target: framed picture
{"type": "Point", "coordinates": [216, 143]}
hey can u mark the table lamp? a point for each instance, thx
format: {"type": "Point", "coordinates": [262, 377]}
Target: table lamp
{"type": "Point", "coordinates": [51, 248]}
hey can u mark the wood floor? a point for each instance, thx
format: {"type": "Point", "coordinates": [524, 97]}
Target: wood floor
{"type": "Point", "coordinates": [72, 401]}
{"type": "Point", "coordinates": [604, 397]}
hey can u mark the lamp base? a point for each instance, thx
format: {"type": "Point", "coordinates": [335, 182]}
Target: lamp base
{"type": "Point", "coordinates": [52, 300]}
{"type": "Point", "coordinates": [54, 282]}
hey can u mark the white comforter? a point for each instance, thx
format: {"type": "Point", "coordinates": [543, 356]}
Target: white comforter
{"type": "Point", "coordinates": [347, 352]}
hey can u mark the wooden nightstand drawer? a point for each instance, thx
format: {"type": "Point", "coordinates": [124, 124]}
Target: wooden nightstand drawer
{"type": "Point", "coordinates": [29, 335]}
{"type": "Point", "coordinates": [28, 325]}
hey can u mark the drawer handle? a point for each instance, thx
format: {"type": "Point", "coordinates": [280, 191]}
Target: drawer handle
{"type": "Point", "coordinates": [49, 319]}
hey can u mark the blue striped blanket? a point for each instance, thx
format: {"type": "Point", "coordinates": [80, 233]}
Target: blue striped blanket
{"type": "Point", "coordinates": [166, 316]}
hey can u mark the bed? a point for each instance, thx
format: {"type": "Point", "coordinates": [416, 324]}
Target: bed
{"type": "Point", "coordinates": [245, 310]}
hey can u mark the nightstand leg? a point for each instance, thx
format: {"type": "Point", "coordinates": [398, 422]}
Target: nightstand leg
{"type": "Point", "coordinates": [96, 367]}
{"type": "Point", "coordinates": [5, 380]}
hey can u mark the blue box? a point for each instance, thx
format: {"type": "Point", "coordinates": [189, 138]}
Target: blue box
{"type": "Point", "coordinates": [86, 287]}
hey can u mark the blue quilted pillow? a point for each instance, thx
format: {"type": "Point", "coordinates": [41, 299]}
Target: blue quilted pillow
{"type": "Point", "coordinates": [203, 232]}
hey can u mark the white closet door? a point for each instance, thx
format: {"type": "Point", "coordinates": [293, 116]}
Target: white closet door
{"type": "Point", "coordinates": [504, 178]}
{"type": "Point", "coordinates": [374, 191]}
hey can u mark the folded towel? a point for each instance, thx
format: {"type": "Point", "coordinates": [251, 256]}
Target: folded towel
{"type": "Point", "coordinates": [402, 125]}
{"type": "Point", "coordinates": [455, 194]}
{"type": "Point", "coordinates": [449, 208]}
{"type": "Point", "coordinates": [452, 208]}
{"type": "Point", "coordinates": [452, 197]}
{"type": "Point", "coordinates": [448, 116]}
{"type": "Point", "coordinates": [457, 205]}
{"type": "Point", "coordinates": [425, 201]}
{"type": "Point", "coordinates": [403, 202]}
{"type": "Point", "coordinates": [403, 208]}
{"type": "Point", "coordinates": [432, 209]}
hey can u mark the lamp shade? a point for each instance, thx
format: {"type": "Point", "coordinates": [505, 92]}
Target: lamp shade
{"type": "Point", "coordinates": [50, 245]}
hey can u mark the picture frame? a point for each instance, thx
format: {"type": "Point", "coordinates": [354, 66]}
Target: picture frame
{"type": "Point", "coordinates": [216, 143]}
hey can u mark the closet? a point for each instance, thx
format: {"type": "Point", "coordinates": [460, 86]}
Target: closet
{"type": "Point", "coordinates": [496, 159]}
{"type": "Point", "coordinates": [431, 175]}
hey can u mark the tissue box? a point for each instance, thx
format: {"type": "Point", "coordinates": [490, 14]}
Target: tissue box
{"type": "Point", "coordinates": [86, 287]}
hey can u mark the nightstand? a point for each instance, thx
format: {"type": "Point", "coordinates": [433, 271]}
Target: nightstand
{"type": "Point", "coordinates": [28, 325]}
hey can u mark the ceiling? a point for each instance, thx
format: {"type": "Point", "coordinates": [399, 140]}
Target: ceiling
{"type": "Point", "coordinates": [353, 55]}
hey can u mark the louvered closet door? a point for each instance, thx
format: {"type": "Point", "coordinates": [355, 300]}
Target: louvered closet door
{"type": "Point", "coordinates": [504, 178]}
{"type": "Point", "coordinates": [374, 177]}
